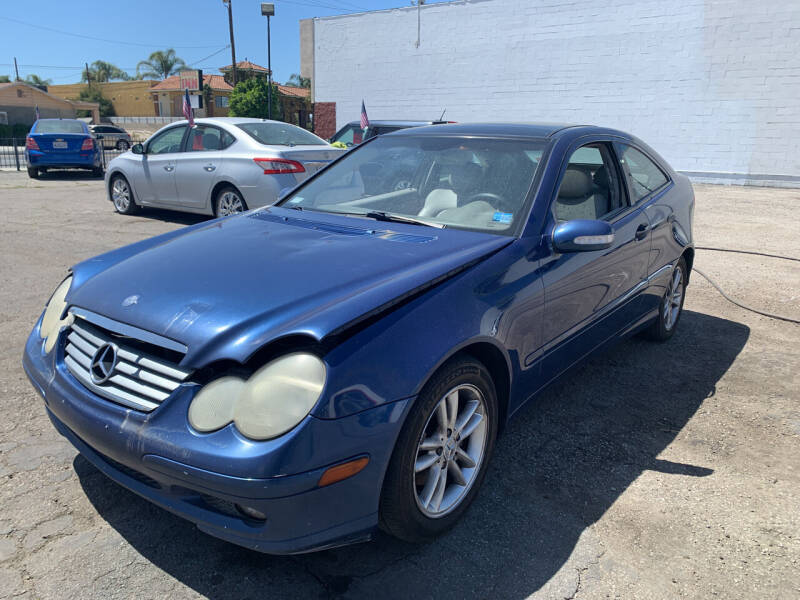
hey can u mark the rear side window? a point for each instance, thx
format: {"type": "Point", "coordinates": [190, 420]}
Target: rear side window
{"type": "Point", "coordinates": [205, 138]}
{"type": "Point", "coordinates": [167, 141]}
{"type": "Point", "coordinates": [281, 134]}
{"type": "Point", "coordinates": [60, 126]}
{"type": "Point", "coordinates": [643, 174]}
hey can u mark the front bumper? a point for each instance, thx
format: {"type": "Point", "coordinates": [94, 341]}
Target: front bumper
{"type": "Point", "coordinates": [135, 450]}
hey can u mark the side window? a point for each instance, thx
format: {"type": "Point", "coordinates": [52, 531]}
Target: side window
{"type": "Point", "coordinates": [347, 136]}
{"type": "Point", "coordinates": [643, 174]}
{"type": "Point", "coordinates": [203, 138]}
{"type": "Point", "coordinates": [167, 141]}
{"type": "Point", "coordinates": [590, 188]}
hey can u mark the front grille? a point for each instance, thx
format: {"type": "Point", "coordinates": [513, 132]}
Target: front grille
{"type": "Point", "coordinates": [136, 379]}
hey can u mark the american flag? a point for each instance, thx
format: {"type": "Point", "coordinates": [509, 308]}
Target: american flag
{"type": "Point", "coordinates": [187, 109]}
{"type": "Point", "coordinates": [364, 118]}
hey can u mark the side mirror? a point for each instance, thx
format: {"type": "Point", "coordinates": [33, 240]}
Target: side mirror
{"type": "Point", "coordinates": [137, 149]}
{"type": "Point", "coordinates": [582, 235]}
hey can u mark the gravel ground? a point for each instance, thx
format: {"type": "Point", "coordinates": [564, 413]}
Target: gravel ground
{"type": "Point", "coordinates": [655, 471]}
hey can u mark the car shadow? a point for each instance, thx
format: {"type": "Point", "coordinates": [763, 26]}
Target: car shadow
{"type": "Point", "coordinates": [558, 467]}
{"type": "Point", "coordinates": [69, 175]}
{"type": "Point", "coordinates": [173, 216]}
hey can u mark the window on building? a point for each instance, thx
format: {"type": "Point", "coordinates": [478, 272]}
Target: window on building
{"type": "Point", "coordinates": [643, 174]}
{"type": "Point", "coordinates": [221, 101]}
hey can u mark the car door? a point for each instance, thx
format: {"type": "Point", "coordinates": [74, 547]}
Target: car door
{"type": "Point", "coordinates": [200, 166]}
{"type": "Point", "coordinates": [591, 296]}
{"type": "Point", "coordinates": [648, 187]}
{"type": "Point", "coordinates": [161, 154]}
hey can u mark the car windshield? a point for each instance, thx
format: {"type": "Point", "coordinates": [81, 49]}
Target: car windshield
{"type": "Point", "coordinates": [60, 126]}
{"type": "Point", "coordinates": [281, 134]}
{"type": "Point", "coordinates": [471, 183]}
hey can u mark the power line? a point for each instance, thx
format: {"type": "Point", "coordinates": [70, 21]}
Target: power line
{"type": "Point", "coordinates": [210, 55]}
{"type": "Point", "coordinates": [97, 39]}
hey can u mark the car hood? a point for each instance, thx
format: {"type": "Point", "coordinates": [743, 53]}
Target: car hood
{"type": "Point", "coordinates": [228, 287]}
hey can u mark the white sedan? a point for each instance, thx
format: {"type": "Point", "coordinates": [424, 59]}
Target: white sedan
{"type": "Point", "coordinates": [218, 167]}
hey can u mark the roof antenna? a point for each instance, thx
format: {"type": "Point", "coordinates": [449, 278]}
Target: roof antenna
{"type": "Point", "coordinates": [442, 117]}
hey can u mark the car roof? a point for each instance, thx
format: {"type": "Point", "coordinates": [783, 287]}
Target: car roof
{"type": "Point", "coordinates": [71, 120]}
{"type": "Point", "coordinates": [526, 130]}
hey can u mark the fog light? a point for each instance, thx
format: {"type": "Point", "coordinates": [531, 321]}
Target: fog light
{"type": "Point", "coordinates": [251, 513]}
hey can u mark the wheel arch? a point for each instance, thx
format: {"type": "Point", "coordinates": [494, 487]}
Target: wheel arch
{"type": "Point", "coordinates": [688, 256]}
{"type": "Point", "coordinates": [216, 189]}
{"type": "Point", "coordinates": [110, 181]}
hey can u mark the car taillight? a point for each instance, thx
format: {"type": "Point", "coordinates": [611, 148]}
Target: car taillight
{"type": "Point", "coordinates": [88, 144]}
{"type": "Point", "coordinates": [31, 144]}
{"type": "Point", "coordinates": [273, 166]}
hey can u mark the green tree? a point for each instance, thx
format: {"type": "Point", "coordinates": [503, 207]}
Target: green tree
{"type": "Point", "coordinates": [101, 71]}
{"type": "Point", "coordinates": [249, 99]}
{"type": "Point", "coordinates": [34, 79]}
{"type": "Point", "coordinates": [5, 79]}
{"type": "Point", "coordinates": [298, 80]}
{"type": "Point", "coordinates": [93, 94]}
{"type": "Point", "coordinates": [160, 65]}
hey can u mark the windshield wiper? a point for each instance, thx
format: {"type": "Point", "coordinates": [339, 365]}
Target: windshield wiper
{"type": "Point", "coordinates": [380, 215]}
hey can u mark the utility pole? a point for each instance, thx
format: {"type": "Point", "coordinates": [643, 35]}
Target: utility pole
{"type": "Point", "coordinates": [233, 46]}
{"type": "Point", "coordinates": [16, 70]}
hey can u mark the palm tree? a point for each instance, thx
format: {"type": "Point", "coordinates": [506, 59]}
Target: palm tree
{"type": "Point", "coordinates": [160, 65]}
{"type": "Point", "coordinates": [298, 80]}
{"type": "Point", "coordinates": [102, 71]}
{"type": "Point", "coordinates": [34, 79]}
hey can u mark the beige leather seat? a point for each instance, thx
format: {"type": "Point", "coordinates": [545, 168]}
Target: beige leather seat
{"type": "Point", "coordinates": [578, 198]}
{"type": "Point", "coordinates": [438, 200]}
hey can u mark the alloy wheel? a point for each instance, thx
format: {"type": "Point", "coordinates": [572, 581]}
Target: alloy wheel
{"type": "Point", "coordinates": [229, 204]}
{"type": "Point", "coordinates": [673, 299]}
{"type": "Point", "coordinates": [121, 194]}
{"type": "Point", "coordinates": [450, 451]}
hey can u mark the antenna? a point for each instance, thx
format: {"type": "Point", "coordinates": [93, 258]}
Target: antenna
{"type": "Point", "coordinates": [442, 117]}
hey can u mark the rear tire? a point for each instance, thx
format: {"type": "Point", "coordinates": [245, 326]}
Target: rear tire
{"type": "Point", "coordinates": [33, 172]}
{"type": "Point", "coordinates": [122, 196]}
{"type": "Point", "coordinates": [671, 306]}
{"type": "Point", "coordinates": [123, 145]}
{"type": "Point", "coordinates": [97, 172]}
{"type": "Point", "coordinates": [440, 458]}
{"type": "Point", "coordinates": [229, 201]}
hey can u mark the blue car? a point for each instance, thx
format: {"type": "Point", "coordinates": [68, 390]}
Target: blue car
{"type": "Point", "coordinates": [61, 144]}
{"type": "Point", "coordinates": [293, 377]}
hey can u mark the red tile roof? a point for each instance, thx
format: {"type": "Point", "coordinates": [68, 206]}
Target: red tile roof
{"type": "Point", "coordinates": [296, 92]}
{"type": "Point", "coordinates": [217, 83]}
{"type": "Point", "coordinates": [246, 65]}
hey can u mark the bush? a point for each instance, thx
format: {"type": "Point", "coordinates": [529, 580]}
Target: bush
{"type": "Point", "coordinates": [93, 94]}
{"type": "Point", "coordinates": [19, 130]}
{"type": "Point", "coordinates": [249, 99]}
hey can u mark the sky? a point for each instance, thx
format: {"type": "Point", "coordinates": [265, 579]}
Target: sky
{"type": "Point", "coordinates": [50, 38]}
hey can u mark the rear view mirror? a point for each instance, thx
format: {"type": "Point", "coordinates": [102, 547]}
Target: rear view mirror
{"type": "Point", "coordinates": [137, 149]}
{"type": "Point", "coordinates": [582, 235]}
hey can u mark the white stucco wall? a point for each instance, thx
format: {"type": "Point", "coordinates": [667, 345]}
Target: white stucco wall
{"type": "Point", "coordinates": [713, 85]}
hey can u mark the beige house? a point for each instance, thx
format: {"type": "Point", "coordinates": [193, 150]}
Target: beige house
{"type": "Point", "coordinates": [18, 102]}
{"type": "Point", "coordinates": [129, 98]}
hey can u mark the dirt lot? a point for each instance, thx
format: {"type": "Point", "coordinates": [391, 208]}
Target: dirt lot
{"type": "Point", "coordinates": [656, 471]}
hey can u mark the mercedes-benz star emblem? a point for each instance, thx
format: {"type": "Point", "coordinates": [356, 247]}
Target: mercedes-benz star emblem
{"type": "Point", "coordinates": [103, 363]}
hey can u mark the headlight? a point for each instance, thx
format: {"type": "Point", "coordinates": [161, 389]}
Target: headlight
{"type": "Point", "coordinates": [52, 321]}
{"type": "Point", "coordinates": [275, 398]}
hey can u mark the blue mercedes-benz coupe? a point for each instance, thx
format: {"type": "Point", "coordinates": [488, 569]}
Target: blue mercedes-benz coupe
{"type": "Point", "coordinates": [293, 377]}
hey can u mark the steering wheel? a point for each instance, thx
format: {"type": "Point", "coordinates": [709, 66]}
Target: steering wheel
{"type": "Point", "coordinates": [488, 195]}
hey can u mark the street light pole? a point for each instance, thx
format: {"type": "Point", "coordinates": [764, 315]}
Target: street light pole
{"type": "Point", "coordinates": [268, 10]}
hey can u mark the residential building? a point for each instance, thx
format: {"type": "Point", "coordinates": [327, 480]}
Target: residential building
{"type": "Point", "coordinates": [18, 102]}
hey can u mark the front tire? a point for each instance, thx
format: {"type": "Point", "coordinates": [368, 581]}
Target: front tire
{"type": "Point", "coordinates": [229, 201]}
{"type": "Point", "coordinates": [122, 196]}
{"type": "Point", "coordinates": [671, 306]}
{"type": "Point", "coordinates": [441, 456]}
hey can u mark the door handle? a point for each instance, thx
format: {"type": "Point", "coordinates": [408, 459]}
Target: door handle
{"type": "Point", "coordinates": [169, 168]}
{"type": "Point", "coordinates": [210, 168]}
{"type": "Point", "coordinates": [641, 231]}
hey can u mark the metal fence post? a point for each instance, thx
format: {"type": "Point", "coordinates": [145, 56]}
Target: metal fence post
{"type": "Point", "coordinates": [16, 155]}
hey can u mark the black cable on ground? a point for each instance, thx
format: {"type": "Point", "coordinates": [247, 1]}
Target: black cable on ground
{"type": "Point", "coordinates": [739, 304]}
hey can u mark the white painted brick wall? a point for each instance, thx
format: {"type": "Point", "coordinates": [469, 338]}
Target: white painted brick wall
{"type": "Point", "coordinates": [713, 85]}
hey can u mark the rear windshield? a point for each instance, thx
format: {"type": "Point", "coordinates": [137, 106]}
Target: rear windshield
{"type": "Point", "coordinates": [60, 126]}
{"type": "Point", "coordinates": [281, 134]}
